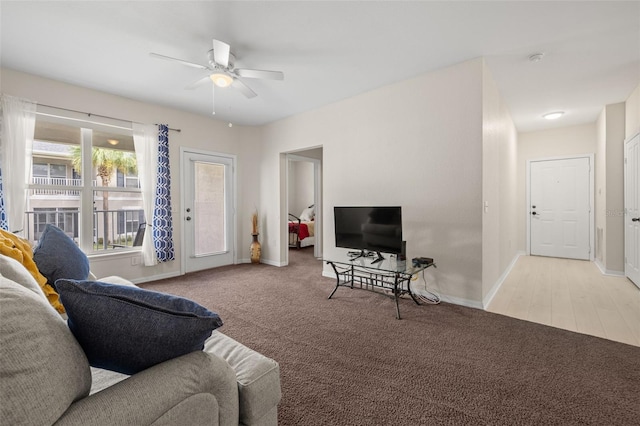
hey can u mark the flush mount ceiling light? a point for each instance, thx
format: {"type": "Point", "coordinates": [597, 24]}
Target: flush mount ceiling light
{"type": "Point", "coordinates": [221, 79]}
{"type": "Point", "coordinates": [113, 141]}
{"type": "Point", "coordinates": [553, 115]}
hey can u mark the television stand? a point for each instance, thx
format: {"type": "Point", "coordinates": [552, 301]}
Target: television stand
{"type": "Point", "coordinates": [383, 275]}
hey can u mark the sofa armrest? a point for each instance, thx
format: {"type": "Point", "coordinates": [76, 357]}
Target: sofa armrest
{"type": "Point", "coordinates": [163, 393]}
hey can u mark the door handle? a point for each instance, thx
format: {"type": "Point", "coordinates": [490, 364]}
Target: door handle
{"type": "Point", "coordinates": [188, 217]}
{"type": "Point", "coordinates": [534, 213]}
{"type": "Point", "coordinates": [635, 219]}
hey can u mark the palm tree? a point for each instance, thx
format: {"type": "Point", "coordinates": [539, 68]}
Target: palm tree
{"type": "Point", "coordinates": [106, 161]}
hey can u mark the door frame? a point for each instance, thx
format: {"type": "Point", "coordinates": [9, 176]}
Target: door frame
{"type": "Point", "coordinates": [317, 200]}
{"type": "Point", "coordinates": [234, 206]}
{"type": "Point", "coordinates": [591, 199]}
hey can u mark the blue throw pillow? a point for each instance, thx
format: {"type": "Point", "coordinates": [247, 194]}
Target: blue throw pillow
{"type": "Point", "coordinates": [128, 329]}
{"type": "Point", "coordinates": [57, 256]}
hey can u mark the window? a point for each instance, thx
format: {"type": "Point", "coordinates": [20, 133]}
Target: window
{"type": "Point", "coordinates": [128, 180]}
{"type": "Point", "coordinates": [104, 209]}
{"type": "Point", "coordinates": [64, 218]}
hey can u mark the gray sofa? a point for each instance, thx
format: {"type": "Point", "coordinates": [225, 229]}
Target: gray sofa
{"type": "Point", "coordinates": [45, 377]}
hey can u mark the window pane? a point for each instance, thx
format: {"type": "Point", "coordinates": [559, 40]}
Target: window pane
{"type": "Point", "coordinates": [40, 170]}
{"type": "Point", "coordinates": [58, 170]}
{"type": "Point", "coordinates": [113, 165]}
{"type": "Point", "coordinates": [52, 160]}
{"type": "Point", "coordinates": [117, 219]}
{"type": "Point", "coordinates": [51, 163]}
{"type": "Point", "coordinates": [64, 218]}
{"type": "Point", "coordinates": [209, 208]}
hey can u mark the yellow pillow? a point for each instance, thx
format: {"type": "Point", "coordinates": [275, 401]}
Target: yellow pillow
{"type": "Point", "coordinates": [19, 249]}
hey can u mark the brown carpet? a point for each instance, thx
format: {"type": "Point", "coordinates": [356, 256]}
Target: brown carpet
{"type": "Point", "coordinates": [348, 361]}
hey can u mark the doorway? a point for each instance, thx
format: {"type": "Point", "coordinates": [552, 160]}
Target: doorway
{"type": "Point", "coordinates": [559, 199]}
{"type": "Point", "coordinates": [305, 191]}
{"type": "Point", "coordinates": [208, 210]}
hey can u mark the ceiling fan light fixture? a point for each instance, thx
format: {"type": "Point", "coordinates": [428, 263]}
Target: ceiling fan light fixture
{"type": "Point", "coordinates": [221, 79]}
{"type": "Point", "coordinates": [553, 115]}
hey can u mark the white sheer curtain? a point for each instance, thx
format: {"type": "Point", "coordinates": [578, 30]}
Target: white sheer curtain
{"type": "Point", "coordinates": [145, 139]}
{"type": "Point", "coordinates": [16, 143]}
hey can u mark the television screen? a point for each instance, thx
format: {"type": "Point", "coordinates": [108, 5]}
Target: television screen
{"type": "Point", "coordinates": [369, 228]}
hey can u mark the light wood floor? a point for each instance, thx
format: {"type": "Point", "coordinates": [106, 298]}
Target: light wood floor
{"type": "Point", "coordinates": [573, 295]}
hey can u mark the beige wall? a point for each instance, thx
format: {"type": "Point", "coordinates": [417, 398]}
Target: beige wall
{"type": "Point", "coordinates": [614, 236]}
{"type": "Point", "coordinates": [565, 141]}
{"type": "Point", "coordinates": [632, 114]}
{"type": "Point", "coordinates": [609, 187]}
{"type": "Point", "coordinates": [199, 132]}
{"type": "Point", "coordinates": [301, 186]}
{"type": "Point", "coordinates": [600, 188]}
{"type": "Point", "coordinates": [418, 144]}
{"type": "Point", "coordinates": [499, 172]}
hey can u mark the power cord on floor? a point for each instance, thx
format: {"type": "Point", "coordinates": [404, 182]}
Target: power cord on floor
{"type": "Point", "coordinates": [430, 297]}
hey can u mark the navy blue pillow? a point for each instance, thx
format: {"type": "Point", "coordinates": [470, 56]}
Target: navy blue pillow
{"type": "Point", "coordinates": [128, 329]}
{"type": "Point", "coordinates": [57, 256]}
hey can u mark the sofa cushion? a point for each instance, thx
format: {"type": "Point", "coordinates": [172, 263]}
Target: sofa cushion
{"type": "Point", "coordinates": [13, 270]}
{"type": "Point", "coordinates": [43, 369]}
{"type": "Point", "coordinates": [20, 249]}
{"type": "Point", "coordinates": [128, 329]}
{"type": "Point", "coordinates": [57, 256]}
{"type": "Point", "coordinates": [258, 377]}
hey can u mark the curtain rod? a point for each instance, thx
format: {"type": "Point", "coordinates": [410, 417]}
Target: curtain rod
{"type": "Point", "coordinates": [89, 114]}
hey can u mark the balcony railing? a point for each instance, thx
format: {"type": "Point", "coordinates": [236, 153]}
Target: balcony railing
{"type": "Point", "coordinates": [58, 182]}
{"type": "Point", "coordinates": [105, 222]}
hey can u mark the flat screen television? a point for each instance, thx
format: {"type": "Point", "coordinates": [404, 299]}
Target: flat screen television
{"type": "Point", "coordinates": [376, 229]}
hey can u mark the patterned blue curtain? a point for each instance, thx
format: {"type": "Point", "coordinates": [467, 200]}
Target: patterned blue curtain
{"type": "Point", "coordinates": [162, 224]}
{"type": "Point", "coordinates": [3, 213]}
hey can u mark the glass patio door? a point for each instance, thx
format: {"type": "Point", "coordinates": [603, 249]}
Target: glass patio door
{"type": "Point", "coordinates": [208, 210]}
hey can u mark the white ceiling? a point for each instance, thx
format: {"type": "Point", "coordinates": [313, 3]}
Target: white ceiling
{"type": "Point", "coordinates": [329, 51]}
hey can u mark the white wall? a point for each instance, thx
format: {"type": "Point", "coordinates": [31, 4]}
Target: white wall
{"type": "Point", "coordinates": [499, 173]}
{"type": "Point", "coordinates": [418, 144]}
{"type": "Point", "coordinates": [564, 141]}
{"type": "Point", "coordinates": [632, 113]}
{"type": "Point", "coordinates": [610, 187]}
{"type": "Point", "coordinates": [199, 132]}
{"type": "Point", "coordinates": [600, 189]}
{"type": "Point", "coordinates": [301, 186]}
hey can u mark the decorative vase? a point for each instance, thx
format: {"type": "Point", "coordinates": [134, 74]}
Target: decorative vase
{"type": "Point", "coordinates": [256, 249]}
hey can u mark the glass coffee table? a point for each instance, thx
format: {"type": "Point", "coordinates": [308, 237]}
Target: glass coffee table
{"type": "Point", "coordinates": [387, 275]}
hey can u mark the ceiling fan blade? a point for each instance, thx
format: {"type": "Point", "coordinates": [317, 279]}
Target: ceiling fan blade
{"type": "Point", "coordinates": [187, 63]}
{"type": "Point", "coordinates": [221, 51]}
{"type": "Point", "coordinates": [246, 90]}
{"type": "Point", "coordinates": [268, 75]}
{"type": "Point", "coordinates": [198, 82]}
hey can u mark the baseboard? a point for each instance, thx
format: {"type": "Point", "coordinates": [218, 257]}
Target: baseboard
{"type": "Point", "coordinates": [605, 271]}
{"type": "Point", "coordinates": [496, 286]}
{"type": "Point", "coordinates": [445, 298]}
{"type": "Point", "coordinates": [452, 299]}
{"type": "Point", "coordinates": [265, 261]}
{"type": "Point", "coordinates": [156, 277]}
{"type": "Point", "coordinates": [328, 274]}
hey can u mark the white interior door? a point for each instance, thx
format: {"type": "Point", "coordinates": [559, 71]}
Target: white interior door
{"type": "Point", "coordinates": [208, 210]}
{"type": "Point", "coordinates": [632, 209]}
{"type": "Point", "coordinates": [560, 208]}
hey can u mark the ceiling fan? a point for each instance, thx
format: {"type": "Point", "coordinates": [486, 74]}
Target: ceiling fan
{"type": "Point", "coordinates": [222, 71]}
